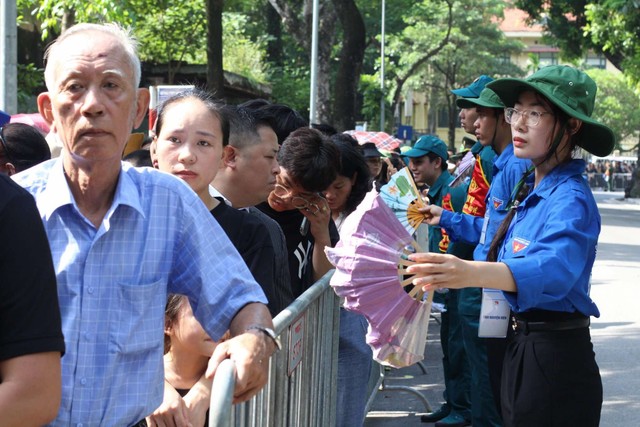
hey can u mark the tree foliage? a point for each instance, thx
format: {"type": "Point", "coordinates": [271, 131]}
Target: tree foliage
{"type": "Point", "coordinates": [166, 37]}
{"type": "Point", "coordinates": [444, 45]}
{"type": "Point", "coordinates": [617, 105]}
{"type": "Point", "coordinates": [614, 26]}
{"type": "Point", "coordinates": [170, 32]}
{"type": "Point", "coordinates": [297, 19]}
{"type": "Point", "coordinates": [610, 27]}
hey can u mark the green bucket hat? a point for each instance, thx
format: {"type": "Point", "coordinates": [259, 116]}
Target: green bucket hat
{"type": "Point", "coordinates": [487, 98]}
{"type": "Point", "coordinates": [573, 92]}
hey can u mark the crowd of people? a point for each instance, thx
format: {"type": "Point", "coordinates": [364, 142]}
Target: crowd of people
{"type": "Point", "coordinates": [609, 175]}
{"type": "Point", "coordinates": [127, 285]}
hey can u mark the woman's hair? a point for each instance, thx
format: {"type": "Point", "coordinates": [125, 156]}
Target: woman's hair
{"type": "Point", "coordinates": [24, 146]}
{"type": "Point", "coordinates": [171, 312]}
{"type": "Point", "coordinates": [398, 163]}
{"type": "Point", "coordinates": [522, 191]}
{"type": "Point", "coordinates": [560, 125]}
{"type": "Point", "coordinates": [522, 188]}
{"type": "Point", "coordinates": [353, 163]}
{"type": "Point", "coordinates": [215, 107]}
{"type": "Point", "coordinates": [325, 128]}
{"type": "Point", "coordinates": [286, 119]}
{"type": "Point", "coordinates": [139, 158]}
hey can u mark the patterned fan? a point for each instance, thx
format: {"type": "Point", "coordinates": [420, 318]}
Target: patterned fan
{"type": "Point", "coordinates": [371, 261]}
{"type": "Point", "coordinates": [404, 199]}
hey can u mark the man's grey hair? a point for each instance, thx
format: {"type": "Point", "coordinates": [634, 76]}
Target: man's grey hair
{"type": "Point", "coordinates": [124, 36]}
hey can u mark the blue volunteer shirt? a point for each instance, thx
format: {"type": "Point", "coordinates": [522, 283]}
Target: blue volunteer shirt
{"type": "Point", "coordinates": [550, 247]}
{"type": "Point", "coordinates": [156, 238]}
{"type": "Point", "coordinates": [507, 171]}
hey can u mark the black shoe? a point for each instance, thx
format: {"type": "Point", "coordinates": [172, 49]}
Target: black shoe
{"type": "Point", "coordinates": [432, 417]}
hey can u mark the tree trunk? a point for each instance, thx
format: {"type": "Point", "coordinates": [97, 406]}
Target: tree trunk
{"type": "Point", "coordinates": [68, 20]}
{"type": "Point", "coordinates": [274, 29]}
{"type": "Point", "coordinates": [350, 65]}
{"type": "Point", "coordinates": [326, 37]}
{"type": "Point", "coordinates": [419, 64]}
{"type": "Point", "coordinates": [215, 72]}
{"type": "Point", "coordinates": [298, 22]}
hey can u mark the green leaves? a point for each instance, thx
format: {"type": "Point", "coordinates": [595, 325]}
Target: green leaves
{"type": "Point", "coordinates": [617, 105]}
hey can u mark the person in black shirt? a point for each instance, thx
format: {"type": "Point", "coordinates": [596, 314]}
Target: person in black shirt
{"type": "Point", "coordinates": [309, 163]}
{"type": "Point", "coordinates": [31, 341]}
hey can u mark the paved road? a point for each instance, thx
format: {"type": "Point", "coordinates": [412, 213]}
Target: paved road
{"type": "Point", "coordinates": [615, 289]}
{"type": "Point", "coordinates": [616, 334]}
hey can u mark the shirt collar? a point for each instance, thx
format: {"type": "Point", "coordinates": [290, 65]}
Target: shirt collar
{"type": "Point", "coordinates": [443, 179]}
{"type": "Point", "coordinates": [477, 147]}
{"type": "Point", "coordinates": [127, 192]}
{"type": "Point", "coordinates": [57, 192]}
{"type": "Point", "coordinates": [558, 175]}
{"type": "Point", "coordinates": [501, 160]}
{"type": "Point", "coordinates": [215, 193]}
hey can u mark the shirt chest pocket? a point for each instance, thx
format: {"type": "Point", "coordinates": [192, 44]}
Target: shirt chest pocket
{"type": "Point", "coordinates": [138, 324]}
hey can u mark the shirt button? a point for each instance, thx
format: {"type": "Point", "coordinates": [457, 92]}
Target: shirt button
{"type": "Point", "coordinates": [83, 381]}
{"type": "Point", "coordinates": [90, 289]}
{"type": "Point", "coordinates": [87, 336]}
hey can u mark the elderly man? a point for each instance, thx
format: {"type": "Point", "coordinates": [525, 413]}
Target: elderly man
{"type": "Point", "coordinates": [123, 238]}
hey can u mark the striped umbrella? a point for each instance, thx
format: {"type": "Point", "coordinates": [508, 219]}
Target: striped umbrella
{"type": "Point", "coordinates": [382, 140]}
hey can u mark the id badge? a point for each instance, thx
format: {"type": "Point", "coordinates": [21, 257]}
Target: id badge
{"type": "Point", "coordinates": [485, 224]}
{"type": "Point", "coordinates": [494, 314]}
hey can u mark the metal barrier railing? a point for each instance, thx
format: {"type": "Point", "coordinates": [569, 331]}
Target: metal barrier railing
{"type": "Point", "coordinates": [301, 390]}
{"type": "Point", "coordinates": [223, 383]}
{"type": "Point", "coordinates": [619, 181]}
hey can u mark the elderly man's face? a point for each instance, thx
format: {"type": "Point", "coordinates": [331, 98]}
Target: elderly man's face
{"type": "Point", "coordinates": [93, 103]}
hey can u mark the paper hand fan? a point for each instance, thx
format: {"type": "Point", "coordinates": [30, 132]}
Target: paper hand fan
{"type": "Point", "coordinates": [404, 199]}
{"type": "Point", "coordinates": [371, 261]}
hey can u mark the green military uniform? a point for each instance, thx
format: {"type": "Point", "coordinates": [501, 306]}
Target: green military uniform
{"type": "Point", "coordinates": [469, 306]}
{"type": "Point", "coordinates": [463, 303]}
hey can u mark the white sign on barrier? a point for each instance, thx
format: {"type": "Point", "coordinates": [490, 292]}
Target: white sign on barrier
{"type": "Point", "coordinates": [296, 333]}
{"type": "Point", "coordinates": [159, 94]}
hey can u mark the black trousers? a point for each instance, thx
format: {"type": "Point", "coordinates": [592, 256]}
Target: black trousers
{"type": "Point", "coordinates": [551, 378]}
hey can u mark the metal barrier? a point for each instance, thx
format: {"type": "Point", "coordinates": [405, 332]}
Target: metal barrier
{"type": "Point", "coordinates": [223, 383]}
{"type": "Point", "coordinates": [619, 181]}
{"type": "Point", "coordinates": [302, 385]}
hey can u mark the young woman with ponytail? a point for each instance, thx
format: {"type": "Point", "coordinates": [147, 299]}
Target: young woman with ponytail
{"type": "Point", "coordinates": [544, 253]}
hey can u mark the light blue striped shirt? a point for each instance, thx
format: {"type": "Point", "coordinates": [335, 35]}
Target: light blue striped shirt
{"type": "Point", "coordinates": [156, 238]}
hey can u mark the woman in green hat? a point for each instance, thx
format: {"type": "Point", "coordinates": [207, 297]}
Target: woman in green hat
{"type": "Point", "coordinates": [544, 253]}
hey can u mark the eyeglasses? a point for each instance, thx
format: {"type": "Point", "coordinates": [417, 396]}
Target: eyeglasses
{"type": "Point", "coordinates": [298, 202]}
{"type": "Point", "coordinates": [5, 148]}
{"type": "Point", "coordinates": [531, 117]}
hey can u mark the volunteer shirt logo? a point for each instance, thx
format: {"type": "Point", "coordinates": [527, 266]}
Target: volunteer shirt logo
{"type": "Point", "coordinates": [497, 203]}
{"type": "Point", "coordinates": [519, 244]}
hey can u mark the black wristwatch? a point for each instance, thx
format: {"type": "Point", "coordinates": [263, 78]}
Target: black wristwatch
{"type": "Point", "coordinates": [268, 332]}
